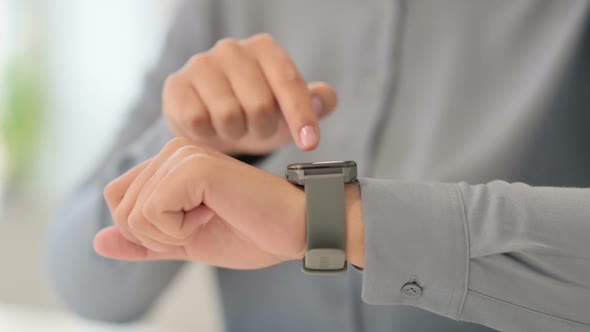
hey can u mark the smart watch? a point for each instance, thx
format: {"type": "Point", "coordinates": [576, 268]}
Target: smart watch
{"type": "Point", "coordinates": [323, 183]}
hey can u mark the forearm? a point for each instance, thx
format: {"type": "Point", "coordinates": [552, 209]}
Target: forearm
{"type": "Point", "coordinates": [529, 245]}
{"type": "Point", "coordinates": [491, 254]}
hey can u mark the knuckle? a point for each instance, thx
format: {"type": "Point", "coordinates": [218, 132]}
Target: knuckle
{"type": "Point", "coordinates": [228, 110]}
{"type": "Point", "coordinates": [201, 59]}
{"type": "Point", "coordinates": [225, 45]}
{"type": "Point", "coordinates": [263, 38]}
{"type": "Point", "coordinates": [119, 217]}
{"type": "Point", "coordinates": [136, 222]}
{"type": "Point", "coordinates": [229, 117]}
{"type": "Point", "coordinates": [175, 144]}
{"type": "Point", "coordinates": [172, 83]}
{"type": "Point", "coordinates": [187, 150]}
{"type": "Point", "coordinates": [192, 160]}
{"type": "Point", "coordinates": [110, 191]}
{"type": "Point", "coordinates": [199, 162]}
{"type": "Point", "coordinates": [198, 121]}
{"type": "Point", "coordinates": [176, 105]}
{"type": "Point", "coordinates": [197, 158]}
{"type": "Point", "coordinates": [263, 108]}
{"type": "Point", "coordinates": [173, 91]}
{"type": "Point", "coordinates": [176, 102]}
{"type": "Point", "coordinates": [151, 211]}
{"type": "Point", "coordinates": [188, 153]}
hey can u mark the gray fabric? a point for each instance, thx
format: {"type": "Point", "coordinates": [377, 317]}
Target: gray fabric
{"type": "Point", "coordinates": [433, 95]}
{"type": "Point", "coordinates": [505, 255]}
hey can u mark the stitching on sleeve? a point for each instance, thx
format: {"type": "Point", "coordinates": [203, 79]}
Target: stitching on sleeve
{"type": "Point", "coordinates": [468, 248]}
{"type": "Point", "coordinates": [535, 312]}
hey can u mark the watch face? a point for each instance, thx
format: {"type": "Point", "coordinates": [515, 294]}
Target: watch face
{"type": "Point", "coordinates": [322, 164]}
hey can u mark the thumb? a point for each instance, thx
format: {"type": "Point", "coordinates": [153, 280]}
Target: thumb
{"type": "Point", "coordinates": [110, 243]}
{"type": "Point", "coordinates": [324, 98]}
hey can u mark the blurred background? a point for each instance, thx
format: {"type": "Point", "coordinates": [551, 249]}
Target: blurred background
{"type": "Point", "coordinates": [69, 71]}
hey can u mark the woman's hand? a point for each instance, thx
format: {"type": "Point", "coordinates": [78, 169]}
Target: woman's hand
{"type": "Point", "coordinates": [246, 97]}
{"type": "Point", "coordinates": [193, 203]}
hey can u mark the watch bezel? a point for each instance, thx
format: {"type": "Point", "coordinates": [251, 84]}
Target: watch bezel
{"type": "Point", "coordinates": [322, 164]}
{"type": "Point", "coordinates": [296, 173]}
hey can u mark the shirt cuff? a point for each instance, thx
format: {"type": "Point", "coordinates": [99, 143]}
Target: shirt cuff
{"type": "Point", "coordinates": [416, 245]}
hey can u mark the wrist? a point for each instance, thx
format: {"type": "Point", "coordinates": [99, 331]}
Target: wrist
{"type": "Point", "coordinates": [355, 228]}
{"type": "Point", "coordinates": [354, 242]}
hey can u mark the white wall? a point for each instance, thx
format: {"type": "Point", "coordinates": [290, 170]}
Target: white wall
{"type": "Point", "coordinates": [99, 52]}
{"type": "Point", "coordinates": [6, 42]}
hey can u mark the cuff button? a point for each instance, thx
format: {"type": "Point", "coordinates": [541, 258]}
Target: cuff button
{"type": "Point", "coordinates": [412, 290]}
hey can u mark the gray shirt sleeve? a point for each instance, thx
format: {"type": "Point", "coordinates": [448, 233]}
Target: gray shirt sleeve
{"type": "Point", "coordinates": [90, 285]}
{"type": "Point", "coordinates": [508, 256]}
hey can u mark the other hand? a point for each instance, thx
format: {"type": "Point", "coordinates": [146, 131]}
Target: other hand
{"type": "Point", "coordinates": [246, 97]}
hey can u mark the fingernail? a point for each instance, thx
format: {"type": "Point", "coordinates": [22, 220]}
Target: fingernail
{"type": "Point", "coordinates": [317, 105]}
{"type": "Point", "coordinates": [309, 136]}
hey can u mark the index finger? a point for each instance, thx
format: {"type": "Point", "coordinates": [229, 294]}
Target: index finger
{"type": "Point", "coordinates": [289, 89]}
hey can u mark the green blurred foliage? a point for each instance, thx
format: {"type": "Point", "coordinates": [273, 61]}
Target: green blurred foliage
{"type": "Point", "coordinates": [22, 121]}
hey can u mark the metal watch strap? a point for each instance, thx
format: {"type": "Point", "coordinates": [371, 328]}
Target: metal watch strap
{"type": "Point", "coordinates": [326, 226]}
